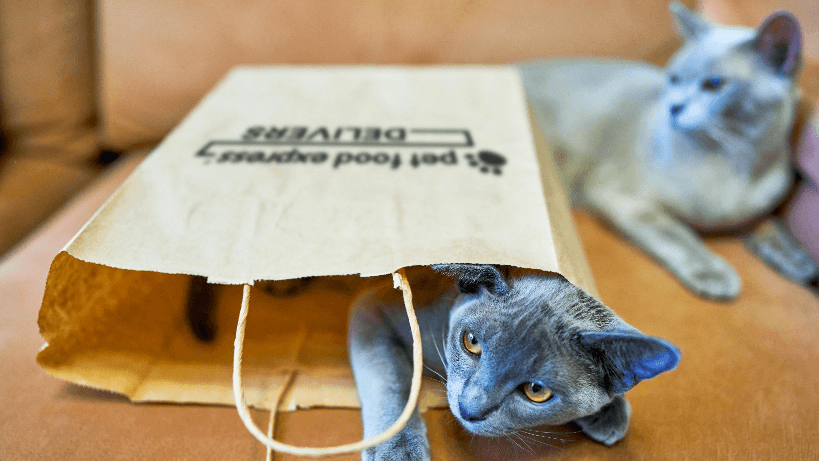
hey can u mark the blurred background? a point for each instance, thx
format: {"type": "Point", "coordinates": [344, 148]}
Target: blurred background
{"type": "Point", "coordinates": [83, 83]}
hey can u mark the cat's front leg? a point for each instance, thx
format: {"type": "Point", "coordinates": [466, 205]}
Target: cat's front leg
{"type": "Point", "coordinates": [773, 243]}
{"type": "Point", "coordinates": [608, 425]}
{"type": "Point", "coordinates": [382, 367]}
{"type": "Point", "coordinates": [408, 445]}
{"type": "Point", "coordinates": [671, 242]}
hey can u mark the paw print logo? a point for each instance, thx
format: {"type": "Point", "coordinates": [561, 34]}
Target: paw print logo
{"type": "Point", "coordinates": [487, 161]}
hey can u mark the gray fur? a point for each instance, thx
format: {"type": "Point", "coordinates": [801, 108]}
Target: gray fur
{"type": "Point", "coordinates": [540, 329]}
{"type": "Point", "coordinates": [773, 243]}
{"type": "Point", "coordinates": [659, 154]}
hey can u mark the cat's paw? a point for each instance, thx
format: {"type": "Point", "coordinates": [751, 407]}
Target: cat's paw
{"type": "Point", "coordinates": [402, 447]}
{"type": "Point", "coordinates": [608, 425]}
{"type": "Point", "coordinates": [773, 243]}
{"type": "Point", "coordinates": [712, 278]}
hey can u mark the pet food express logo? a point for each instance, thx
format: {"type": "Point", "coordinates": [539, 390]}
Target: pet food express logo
{"type": "Point", "coordinates": [352, 146]}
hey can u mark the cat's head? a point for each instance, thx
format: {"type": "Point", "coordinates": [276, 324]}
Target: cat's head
{"type": "Point", "coordinates": [535, 349]}
{"type": "Point", "coordinates": [733, 78]}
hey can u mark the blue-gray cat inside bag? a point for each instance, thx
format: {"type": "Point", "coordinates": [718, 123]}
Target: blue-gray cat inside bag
{"type": "Point", "coordinates": [516, 349]}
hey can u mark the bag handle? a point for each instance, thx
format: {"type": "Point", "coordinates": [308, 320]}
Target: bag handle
{"type": "Point", "coordinates": [399, 281]}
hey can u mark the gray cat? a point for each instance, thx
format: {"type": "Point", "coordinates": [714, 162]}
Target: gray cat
{"type": "Point", "coordinates": [701, 144]}
{"type": "Point", "coordinates": [516, 351]}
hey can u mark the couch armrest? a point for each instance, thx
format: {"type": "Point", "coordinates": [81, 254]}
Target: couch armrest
{"type": "Point", "coordinates": [47, 109]}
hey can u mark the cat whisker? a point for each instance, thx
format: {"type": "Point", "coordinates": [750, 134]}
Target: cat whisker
{"type": "Point", "coordinates": [443, 344]}
{"type": "Point", "coordinates": [451, 421]}
{"type": "Point", "coordinates": [523, 445]}
{"type": "Point", "coordinates": [437, 380]}
{"type": "Point", "coordinates": [553, 436]}
{"type": "Point", "coordinates": [438, 374]}
{"type": "Point", "coordinates": [553, 432]}
{"type": "Point", "coordinates": [521, 438]}
{"type": "Point", "coordinates": [538, 436]}
{"type": "Point", "coordinates": [529, 437]}
{"type": "Point", "coordinates": [440, 356]}
{"type": "Point", "coordinates": [509, 437]}
{"type": "Point", "coordinates": [541, 442]}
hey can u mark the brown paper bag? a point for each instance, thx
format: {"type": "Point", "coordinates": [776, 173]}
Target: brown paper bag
{"type": "Point", "coordinates": [283, 173]}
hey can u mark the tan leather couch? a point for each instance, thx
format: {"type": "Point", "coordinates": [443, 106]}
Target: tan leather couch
{"type": "Point", "coordinates": [78, 79]}
{"type": "Point", "coordinates": [82, 82]}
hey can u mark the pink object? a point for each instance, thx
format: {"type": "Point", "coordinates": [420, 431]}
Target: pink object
{"type": "Point", "coordinates": [802, 215]}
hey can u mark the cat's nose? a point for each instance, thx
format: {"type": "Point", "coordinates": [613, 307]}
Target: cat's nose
{"type": "Point", "coordinates": [676, 109]}
{"type": "Point", "coordinates": [470, 414]}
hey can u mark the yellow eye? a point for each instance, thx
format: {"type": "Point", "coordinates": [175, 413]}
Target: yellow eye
{"type": "Point", "coordinates": [471, 343]}
{"type": "Point", "coordinates": [536, 392]}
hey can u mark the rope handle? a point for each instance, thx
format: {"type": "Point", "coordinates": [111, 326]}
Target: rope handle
{"type": "Point", "coordinates": [399, 281]}
{"type": "Point", "coordinates": [271, 423]}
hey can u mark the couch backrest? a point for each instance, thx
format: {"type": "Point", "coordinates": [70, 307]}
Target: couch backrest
{"type": "Point", "coordinates": [159, 57]}
{"type": "Point", "coordinates": [47, 109]}
{"type": "Point", "coordinates": [46, 78]}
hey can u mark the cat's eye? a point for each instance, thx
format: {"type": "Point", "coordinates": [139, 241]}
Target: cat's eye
{"type": "Point", "coordinates": [537, 393]}
{"type": "Point", "coordinates": [713, 83]}
{"type": "Point", "coordinates": [471, 343]}
{"type": "Point", "coordinates": [674, 78]}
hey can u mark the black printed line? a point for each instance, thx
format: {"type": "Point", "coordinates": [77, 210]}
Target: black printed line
{"type": "Point", "coordinates": [465, 133]}
{"type": "Point", "coordinates": [339, 144]}
{"type": "Point", "coordinates": [436, 132]}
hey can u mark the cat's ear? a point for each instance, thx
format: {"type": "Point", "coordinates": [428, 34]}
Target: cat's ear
{"type": "Point", "coordinates": [779, 42]}
{"type": "Point", "coordinates": [471, 277]}
{"type": "Point", "coordinates": [690, 25]}
{"type": "Point", "coordinates": [628, 357]}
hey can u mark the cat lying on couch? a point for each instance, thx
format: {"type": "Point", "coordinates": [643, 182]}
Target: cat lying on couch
{"type": "Point", "coordinates": [699, 145]}
{"type": "Point", "coordinates": [516, 350]}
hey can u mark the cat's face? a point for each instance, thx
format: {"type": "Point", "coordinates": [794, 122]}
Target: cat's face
{"type": "Point", "coordinates": [509, 366]}
{"type": "Point", "coordinates": [706, 84]}
{"type": "Point", "coordinates": [731, 79]}
{"type": "Point", "coordinates": [517, 356]}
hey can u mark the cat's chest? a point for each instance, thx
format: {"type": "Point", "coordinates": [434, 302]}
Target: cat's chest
{"type": "Point", "coordinates": [707, 192]}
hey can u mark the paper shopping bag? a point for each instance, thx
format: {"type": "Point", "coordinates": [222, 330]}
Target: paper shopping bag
{"type": "Point", "coordinates": [283, 173]}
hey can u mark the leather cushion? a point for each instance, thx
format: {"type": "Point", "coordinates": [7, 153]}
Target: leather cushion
{"type": "Point", "coordinates": [158, 58]}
